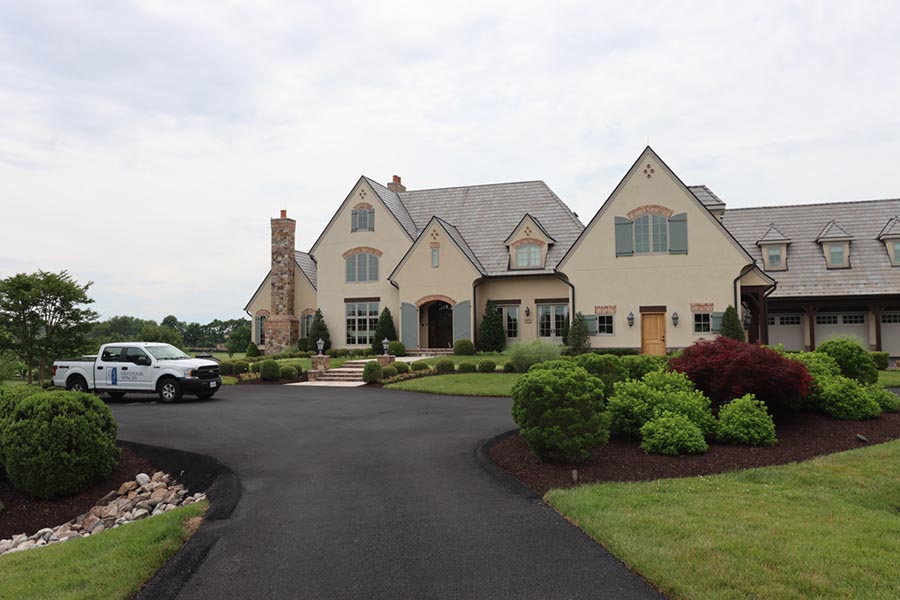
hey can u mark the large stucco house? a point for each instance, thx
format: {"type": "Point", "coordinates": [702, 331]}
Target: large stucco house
{"type": "Point", "coordinates": [654, 269]}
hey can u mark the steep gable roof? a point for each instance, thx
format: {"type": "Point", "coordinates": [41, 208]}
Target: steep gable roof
{"type": "Point", "coordinates": [537, 224]}
{"type": "Point", "coordinates": [308, 265]}
{"type": "Point", "coordinates": [773, 235]}
{"type": "Point", "coordinates": [807, 274]}
{"type": "Point", "coordinates": [395, 205]}
{"type": "Point", "coordinates": [453, 233]}
{"type": "Point", "coordinates": [833, 231]}
{"type": "Point", "coordinates": [706, 196]}
{"type": "Point", "coordinates": [891, 229]}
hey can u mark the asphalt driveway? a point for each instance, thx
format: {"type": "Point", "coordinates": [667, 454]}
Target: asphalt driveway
{"type": "Point", "coordinates": [368, 493]}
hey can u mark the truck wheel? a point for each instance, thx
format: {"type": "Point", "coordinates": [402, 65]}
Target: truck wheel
{"type": "Point", "coordinates": [76, 384]}
{"type": "Point", "coordinates": [169, 390]}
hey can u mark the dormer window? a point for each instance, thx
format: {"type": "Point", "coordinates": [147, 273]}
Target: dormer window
{"type": "Point", "coordinates": [895, 257]}
{"type": "Point", "coordinates": [774, 255]}
{"type": "Point", "coordinates": [835, 255]}
{"type": "Point", "coordinates": [890, 235]}
{"type": "Point", "coordinates": [362, 218]}
{"type": "Point", "coordinates": [773, 245]}
{"type": "Point", "coordinates": [835, 242]}
{"type": "Point", "coordinates": [528, 256]}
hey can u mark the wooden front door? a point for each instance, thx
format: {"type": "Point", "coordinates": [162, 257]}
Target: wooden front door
{"type": "Point", "coordinates": [440, 325]}
{"type": "Point", "coordinates": [653, 334]}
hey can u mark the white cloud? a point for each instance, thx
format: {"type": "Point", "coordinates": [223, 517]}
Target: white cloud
{"type": "Point", "coordinates": [145, 145]}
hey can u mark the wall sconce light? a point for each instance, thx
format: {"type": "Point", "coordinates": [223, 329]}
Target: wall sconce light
{"type": "Point", "coordinates": [674, 319]}
{"type": "Point", "coordinates": [527, 311]}
{"type": "Point", "coordinates": [630, 318]}
{"type": "Point", "coordinates": [747, 316]}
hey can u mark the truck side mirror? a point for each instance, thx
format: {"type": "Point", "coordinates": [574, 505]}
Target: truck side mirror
{"type": "Point", "coordinates": [142, 361]}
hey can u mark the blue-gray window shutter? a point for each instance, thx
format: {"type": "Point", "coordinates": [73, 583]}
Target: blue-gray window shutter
{"type": "Point", "coordinates": [373, 267]}
{"type": "Point", "coordinates": [591, 322]}
{"type": "Point", "coordinates": [354, 220]}
{"type": "Point", "coordinates": [462, 319]}
{"type": "Point", "coordinates": [624, 237]}
{"type": "Point", "coordinates": [372, 219]}
{"type": "Point", "coordinates": [716, 322]}
{"type": "Point", "coordinates": [351, 268]}
{"type": "Point", "coordinates": [409, 325]}
{"type": "Point", "coordinates": [678, 241]}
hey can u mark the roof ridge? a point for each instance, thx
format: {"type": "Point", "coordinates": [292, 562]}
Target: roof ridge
{"type": "Point", "coordinates": [727, 210]}
{"type": "Point", "coordinates": [460, 187]}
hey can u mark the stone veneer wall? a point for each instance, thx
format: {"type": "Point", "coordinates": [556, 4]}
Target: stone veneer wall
{"type": "Point", "coordinates": [283, 327]}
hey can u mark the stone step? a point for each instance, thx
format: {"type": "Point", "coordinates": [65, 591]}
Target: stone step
{"type": "Point", "coordinates": [328, 377]}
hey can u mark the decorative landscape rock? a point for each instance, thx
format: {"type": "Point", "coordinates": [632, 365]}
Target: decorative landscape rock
{"type": "Point", "coordinates": [146, 496]}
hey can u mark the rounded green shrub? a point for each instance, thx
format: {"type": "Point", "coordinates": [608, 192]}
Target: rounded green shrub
{"type": "Point", "coordinates": [635, 403]}
{"type": "Point", "coordinates": [342, 353]}
{"type": "Point", "coordinates": [487, 366]}
{"type": "Point", "coordinates": [332, 352]}
{"type": "Point", "coordinates": [396, 348]}
{"type": "Point", "coordinates": [820, 367]}
{"type": "Point", "coordinates": [564, 362]}
{"type": "Point", "coordinates": [269, 370]}
{"type": "Point", "coordinates": [560, 413]}
{"type": "Point", "coordinates": [444, 365]}
{"type": "Point", "coordinates": [888, 401]}
{"type": "Point", "coordinates": [854, 360]}
{"type": "Point", "coordinates": [388, 372]}
{"type": "Point", "coordinates": [10, 396]}
{"type": "Point", "coordinates": [226, 367]}
{"type": "Point", "coordinates": [59, 444]}
{"type": "Point", "coordinates": [420, 365]}
{"type": "Point", "coordinates": [372, 372]}
{"type": "Point", "coordinates": [845, 398]}
{"type": "Point", "coordinates": [606, 367]}
{"type": "Point", "coordinates": [508, 367]}
{"type": "Point", "coordinates": [240, 367]}
{"type": "Point", "coordinates": [401, 367]}
{"type": "Point", "coordinates": [357, 352]}
{"type": "Point", "coordinates": [672, 434]}
{"type": "Point", "coordinates": [525, 354]}
{"type": "Point", "coordinates": [745, 420]}
{"type": "Point", "coordinates": [252, 350]}
{"type": "Point", "coordinates": [287, 372]}
{"type": "Point", "coordinates": [636, 366]}
{"type": "Point", "coordinates": [467, 367]}
{"type": "Point", "coordinates": [463, 348]}
{"type": "Point", "coordinates": [882, 360]}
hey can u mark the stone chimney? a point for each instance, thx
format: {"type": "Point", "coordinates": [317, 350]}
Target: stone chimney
{"type": "Point", "coordinates": [283, 326]}
{"type": "Point", "coordinates": [395, 185]}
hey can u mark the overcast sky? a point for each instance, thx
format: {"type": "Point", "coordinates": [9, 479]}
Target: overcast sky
{"type": "Point", "coordinates": [145, 145]}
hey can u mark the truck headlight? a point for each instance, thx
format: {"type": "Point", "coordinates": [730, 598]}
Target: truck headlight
{"type": "Point", "coordinates": [189, 372]}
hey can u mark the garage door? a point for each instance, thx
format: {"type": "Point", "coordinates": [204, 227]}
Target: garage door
{"type": "Point", "coordinates": [786, 330]}
{"type": "Point", "coordinates": [829, 325]}
{"type": "Point", "coordinates": [890, 333]}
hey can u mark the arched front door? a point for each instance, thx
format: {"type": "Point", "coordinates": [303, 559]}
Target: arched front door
{"type": "Point", "coordinates": [440, 324]}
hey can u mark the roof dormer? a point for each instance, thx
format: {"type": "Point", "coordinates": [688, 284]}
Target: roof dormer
{"type": "Point", "coordinates": [890, 235]}
{"type": "Point", "coordinates": [528, 244]}
{"type": "Point", "coordinates": [835, 242]}
{"type": "Point", "coordinates": [773, 245]}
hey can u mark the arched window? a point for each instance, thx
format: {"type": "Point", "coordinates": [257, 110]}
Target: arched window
{"type": "Point", "coordinates": [651, 234]}
{"type": "Point", "coordinates": [362, 267]}
{"type": "Point", "coordinates": [362, 219]}
{"type": "Point", "coordinates": [528, 255]}
{"type": "Point", "coordinates": [261, 330]}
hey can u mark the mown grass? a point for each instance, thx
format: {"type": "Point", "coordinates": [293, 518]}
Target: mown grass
{"type": "Point", "coordinates": [114, 564]}
{"type": "Point", "coordinates": [220, 356]}
{"type": "Point", "coordinates": [229, 380]}
{"type": "Point", "coordinates": [889, 379]}
{"type": "Point", "coordinates": [826, 528]}
{"type": "Point", "coordinates": [460, 384]}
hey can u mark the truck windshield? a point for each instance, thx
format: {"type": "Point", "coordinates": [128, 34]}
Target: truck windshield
{"type": "Point", "coordinates": [166, 352]}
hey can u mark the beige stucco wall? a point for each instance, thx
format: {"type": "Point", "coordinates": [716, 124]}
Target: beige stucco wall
{"type": "Point", "coordinates": [526, 230]}
{"type": "Point", "coordinates": [304, 298]}
{"type": "Point", "coordinates": [704, 275]}
{"type": "Point", "coordinates": [453, 277]}
{"type": "Point", "coordinates": [388, 237]}
{"type": "Point", "coordinates": [526, 289]}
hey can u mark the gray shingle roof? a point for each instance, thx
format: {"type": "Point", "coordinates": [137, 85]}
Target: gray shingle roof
{"type": "Point", "coordinates": [773, 234]}
{"type": "Point", "coordinates": [483, 215]}
{"type": "Point", "coordinates": [807, 275]}
{"type": "Point", "coordinates": [463, 245]}
{"type": "Point", "coordinates": [308, 265]}
{"type": "Point", "coordinates": [396, 206]}
{"type": "Point", "coordinates": [833, 231]}
{"type": "Point", "coordinates": [891, 229]}
{"type": "Point", "coordinates": [706, 196]}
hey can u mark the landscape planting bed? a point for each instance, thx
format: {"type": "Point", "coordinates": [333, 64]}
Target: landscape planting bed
{"type": "Point", "coordinates": [800, 436]}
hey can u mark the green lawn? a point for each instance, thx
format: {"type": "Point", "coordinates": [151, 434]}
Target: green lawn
{"type": "Point", "coordinates": [461, 384]}
{"type": "Point", "coordinates": [229, 380]}
{"type": "Point", "coordinates": [114, 564]}
{"type": "Point", "coordinates": [224, 356]}
{"type": "Point", "coordinates": [889, 378]}
{"type": "Point", "coordinates": [826, 528]}
{"type": "Point", "coordinates": [500, 359]}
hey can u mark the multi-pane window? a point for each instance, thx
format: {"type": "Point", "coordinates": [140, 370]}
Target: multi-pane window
{"type": "Point", "coordinates": [528, 255]}
{"type": "Point", "coordinates": [702, 322]}
{"type": "Point", "coordinates": [896, 253]}
{"type": "Point", "coordinates": [362, 319]}
{"type": "Point", "coordinates": [774, 256]}
{"type": "Point", "coordinates": [826, 320]}
{"type": "Point", "coordinates": [362, 219]}
{"type": "Point", "coordinates": [836, 255]}
{"type": "Point", "coordinates": [552, 320]}
{"type": "Point", "coordinates": [651, 234]}
{"type": "Point", "coordinates": [770, 320]}
{"type": "Point", "coordinates": [789, 320]}
{"type": "Point", "coordinates": [510, 316]}
{"type": "Point", "coordinates": [890, 318]}
{"type": "Point", "coordinates": [305, 324]}
{"type": "Point", "coordinates": [605, 324]}
{"type": "Point", "coordinates": [362, 267]}
{"type": "Point", "coordinates": [435, 257]}
{"type": "Point", "coordinates": [261, 330]}
{"type": "Point", "coordinates": [853, 319]}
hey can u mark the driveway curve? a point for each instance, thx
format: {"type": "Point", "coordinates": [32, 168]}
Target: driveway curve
{"type": "Point", "coordinates": [369, 493]}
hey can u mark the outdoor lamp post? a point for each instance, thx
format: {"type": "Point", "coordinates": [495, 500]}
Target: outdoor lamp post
{"type": "Point", "coordinates": [385, 343]}
{"type": "Point", "coordinates": [321, 345]}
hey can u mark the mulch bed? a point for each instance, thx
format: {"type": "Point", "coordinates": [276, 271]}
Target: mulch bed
{"type": "Point", "coordinates": [800, 436]}
{"type": "Point", "coordinates": [26, 514]}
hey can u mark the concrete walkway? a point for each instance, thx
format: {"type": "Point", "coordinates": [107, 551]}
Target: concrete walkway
{"type": "Point", "coordinates": [372, 494]}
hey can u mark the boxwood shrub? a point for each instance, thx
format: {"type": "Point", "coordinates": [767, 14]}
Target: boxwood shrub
{"type": "Point", "coordinates": [444, 365]}
{"type": "Point", "coordinates": [745, 420]}
{"type": "Point", "coordinates": [463, 348]}
{"type": "Point", "coordinates": [388, 372]}
{"type": "Point", "coordinates": [638, 366]}
{"type": "Point", "coordinates": [604, 366]}
{"type": "Point", "coordinates": [401, 367]}
{"type": "Point", "coordinates": [635, 403]}
{"type": "Point", "coordinates": [288, 372]}
{"type": "Point", "coordinates": [888, 401]}
{"type": "Point", "coordinates": [269, 370]}
{"type": "Point", "coordinates": [420, 365]}
{"type": "Point", "coordinates": [854, 360]}
{"type": "Point", "coordinates": [882, 360]}
{"type": "Point", "coordinates": [508, 367]}
{"type": "Point", "coordinates": [672, 434]}
{"type": "Point", "coordinates": [487, 366]}
{"type": "Point", "coordinates": [226, 367]}
{"type": "Point", "coordinates": [372, 372]}
{"type": "Point", "coordinates": [240, 367]}
{"type": "Point", "coordinates": [467, 367]}
{"type": "Point", "coordinates": [560, 413]}
{"type": "Point", "coordinates": [59, 443]}
{"type": "Point", "coordinates": [564, 362]}
{"type": "Point", "coordinates": [396, 348]}
{"type": "Point", "coordinates": [525, 354]}
{"type": "Point", "coordinates": [846, 398]}
{"type": "Point", "coordinates": [820, 367]}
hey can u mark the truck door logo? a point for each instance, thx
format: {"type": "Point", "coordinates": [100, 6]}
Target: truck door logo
{"type": "Point", "coordinates": [114, 376]}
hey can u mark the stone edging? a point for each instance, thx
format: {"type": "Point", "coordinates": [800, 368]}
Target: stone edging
{"type": "Point", "coordinates": [483, 458]}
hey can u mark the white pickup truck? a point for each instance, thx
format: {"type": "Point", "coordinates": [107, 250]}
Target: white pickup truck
{"type": "Point", "coordinates": [140, 367]}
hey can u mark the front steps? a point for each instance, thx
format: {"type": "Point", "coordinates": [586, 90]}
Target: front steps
{"type": "Point", "coordinates": [350, 371]}
{"type": "Point", "coordinates": [430, 352]}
